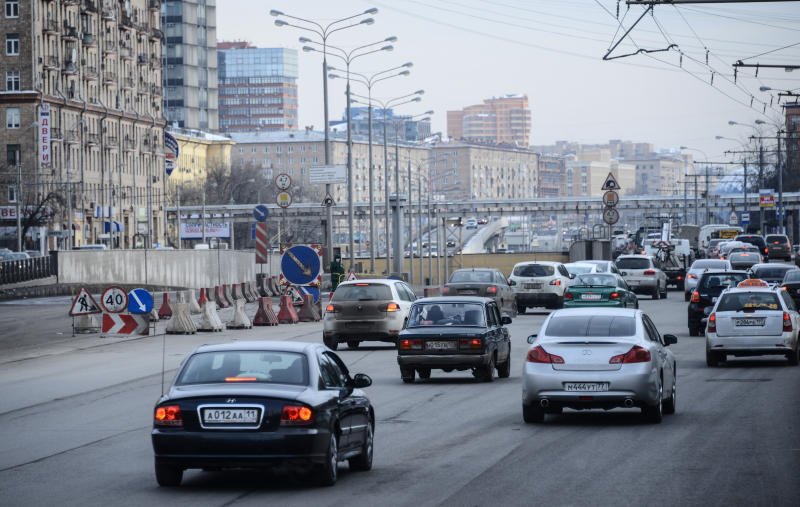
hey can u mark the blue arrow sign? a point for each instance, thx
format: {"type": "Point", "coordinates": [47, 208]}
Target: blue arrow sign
{"type": "Point", "coordinates": [300, 265]}
{"type": "Point", "coordinates": [140, 301]}
{"type": "Point", "coordinates": [313, 291]}
{"type": "Point", "coordinates": [261, 212]}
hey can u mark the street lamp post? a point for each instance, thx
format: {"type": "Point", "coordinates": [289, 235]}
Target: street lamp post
{"type": "Point", "coordinates": [323, 32]}
{"type": "Point", "coordinates": [696, 204]}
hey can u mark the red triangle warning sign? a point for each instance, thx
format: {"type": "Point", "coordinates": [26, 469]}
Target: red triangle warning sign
{"type": "Point", "coordinates": [84, 304]}
{"type": "Point", "coordinates": [610, 183]}
{"type": "Point", "coordinates": [351, 276]}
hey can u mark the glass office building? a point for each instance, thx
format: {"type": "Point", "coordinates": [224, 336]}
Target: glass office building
{"type": "Point", "coordinates": [257, 88]}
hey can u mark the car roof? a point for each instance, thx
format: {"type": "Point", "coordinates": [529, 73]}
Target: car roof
{"type": "Point", "coordinates": [383, 281]}
{"type": "Point", "coordinates": [276, 346]}
{"type": "Point", "coordinates": [635, 256]}
{"type": "Point", "coordinates": [544, 263]}
{"type": "Point", "coordinates": [765, 265]}
{"type": "Point", "coordinates": [724, 271]}
{"type": "Point", "coordinates": [454, 299]}
{"type": "Point", "coordinates": [474, 269]}
{"type": "Point", "coordinates": [750, 289]}
{"type": "Point", "coordinates": [592, 311]}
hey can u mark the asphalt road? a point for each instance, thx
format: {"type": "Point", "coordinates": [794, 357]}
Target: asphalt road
{"type": "Point", "coordinates": [75, 420]}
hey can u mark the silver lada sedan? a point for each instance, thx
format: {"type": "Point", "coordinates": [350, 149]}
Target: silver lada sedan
{"type": "Point", "coordinates": [586, 358]}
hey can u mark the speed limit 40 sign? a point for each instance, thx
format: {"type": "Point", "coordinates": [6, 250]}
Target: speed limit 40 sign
{"type": "Point", "coordinates": [114, 299]}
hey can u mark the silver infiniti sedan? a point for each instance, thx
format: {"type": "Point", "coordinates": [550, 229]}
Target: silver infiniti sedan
{"type": "Point", "coordinates": [586, 358]}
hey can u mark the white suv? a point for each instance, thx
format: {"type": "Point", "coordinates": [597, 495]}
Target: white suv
{"type": "Point", "coordinates": [539, 284]}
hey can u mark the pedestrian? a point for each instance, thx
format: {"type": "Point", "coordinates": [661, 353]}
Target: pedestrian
{"type": "Point", "coordinates": [337, 271]}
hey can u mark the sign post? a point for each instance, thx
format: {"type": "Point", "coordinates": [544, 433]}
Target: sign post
{"type": "Point", "coordinates": [610, 199]}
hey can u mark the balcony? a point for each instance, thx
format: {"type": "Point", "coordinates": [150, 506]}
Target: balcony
{"type": "Point", "coordinates": [89, 6]}
{"type": "Point", "coordinates": [90, 73]}
{"type": "Point", "coordinates": [93, 139]}
{"type": "Point", "coordinates": [155, 62]}
{"type": "Point", "coordinates": [111, 142]}
{"type": "Point", "coordinates": [51, 63]}
{"type": "Point", "coordinates": [141, 59]}
{"type": "Point", "coordinates": [89, 39]}
{"type": "Point", "coordinates": [55, 133]}
{"type": "Point", "coordinates": [69, 68]}
{"type": "Point", "coordinates": [125, 20]}
{"type": "Point", "coordinates": [156, 90]}
{"type": "Point", "coordinates": [109, 78]}
{"type": "Point", "coordinates": [155, 4]}
{"type": "Point", "coordinates": [108, 13]}
{"type": "Point", "coordinates": [70, 2]}
{"type": "Point", "coordinates": [51, 27]}
{"type": "Point", "coordinates": [69, 32]}
{"type": "Point", "coordinates": [125, 52]}
{"type": "Point", "coordinates": [127, 83]}
{"type": "Point", "coordinates": [129, 144]}
{"type": "Point", "coordinates": [156, 34]}
{"type": "Point", "coordinates": [109, 46]}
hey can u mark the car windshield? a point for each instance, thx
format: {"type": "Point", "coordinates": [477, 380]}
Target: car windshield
{"type": "Point", "coordinates": [773, 272]}
{"type": "Point", "coordinates": [709, 264]}
{"type": "Point", "coordinates": [534, 270]}
{"type": "Point", "coordinates": [591, 325]}
{"type": "Point", "coordinates": [599, 265]}
{"type": "Point", "coordinates": [245, 366]}
{"type": "Point", "coordinates": [362, 292]}
{"type": "Point", "coordinates": [792, 276]}
{"type": "Point", "coordinates": [726, 280]}
{"type": "Point", "coordinates": [741, 301]}
{"type": "Point", "coordinates": [595, 279]}
{"type": "Point", "coordinates": [471, 276]}
{"type": "Point", "coordinates": [446, 314]}
{"type": "Point", "coordinates": [633, 263]}
{"type": "Point", "coordinates": [577, 269]}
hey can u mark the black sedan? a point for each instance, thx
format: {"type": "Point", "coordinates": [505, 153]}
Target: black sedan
{"type": "Point", "coordinates": [709, 287]}
{"type": "Point", "coordinates": [455, 333]}
{"type": "Point", "coordinates": [272, 405]}
{"type": "Point", "coordinates": [791, 284]}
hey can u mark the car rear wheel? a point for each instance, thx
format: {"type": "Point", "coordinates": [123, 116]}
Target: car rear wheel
{"type": "Point", "coordinates": [363, 461]}
{"type": "Point", "coordinates": [694, 331]}
{"type": "Point", "coordinates": [327, 473]}
{"type": "Point", "coordinates": [353, 344]}
{"type": "Point", "coordinates": [514, 309]}
{"type": "Point", "coordinates": [656, 293]}
{"type": "Point", "coordinates": [686, 296]}
{"type": "Point", "coordinates": [669, 404]}
{"type": "Point", "coordinates": [793, 358]}
{"type": "Point", "coordinates": [168, 475]}
{"type": "Point", "coordinates": [504, 368]}
{"type": "Point", "coordinates": [521, 309]}
{"type": "Point", "coordinates": [712, 359]}
{"type": "Point", "coordinates": [655, 413]}
{"type": "Point", "coordinates": [424, 373]}
{"type": "Point", "coordinates": [407, 374]}
{"type": "Point", "coordinates": [664, 294]}
{"type": "Point", "coordinates": [532, 414]}
{"type": "Point", "coordinates": [485, 373]}
{"type": "Point", "coordinates": [331, 343]}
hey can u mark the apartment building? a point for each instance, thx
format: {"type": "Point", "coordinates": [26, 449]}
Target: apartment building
{"type": "Point", "coordinates": [405, 127]}
{"type": "Point", "coordinates": [190, 57]}
{"type": "Point", "coordinates": [585, 178]}
{"type": "Point", "coordinates": [552, 181]}
{"type": "Point", "coordinates": [81, 113]}
{"type": "Point", "coordinates": [257, 87]}
{"type": "Point", "coordinates": [198, 152]}
{"type": "Point", "coordinates": [660, 174]}
{"type": "Point", "coordinates": [503, 120]}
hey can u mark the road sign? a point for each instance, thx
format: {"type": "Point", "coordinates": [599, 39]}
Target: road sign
{"type": "Point", "coordinates": [328, 201]}
{"type": "Point", "coordinates": [610, 198]}
{"type": "Point", "coordinates": [125, 323]}
{"type": "Point", "coordinates": [261, 243]}
{"type": "Point", "coordinates": [284, 199]}
{"type": "Point", "coordinates": [260, 213]}
{"type": "Point", "coordinates": [610, 183]}
{"type": "Point", "coordinates": [323, 174]}
{"type": "Point", "coordinates": [311, 291]}
{"type": "Point", "coordinates": [351, 276]}
{"type": "Point", "coordinates": [84, 304]}
{"type": "Point", "coordinates": [745, 218]}
{"type": "Point", "coordinates": [733, 219]}
{"type": "Point", "coordinates": [140, 301]}
{"type": "Point", "coordinates": [610, 216]}
{"type": "Point", "coordinates": [283, 181]}
{"type": "Point", "coordinates": [301, 264]}
{"type": "Point", "coordinates": [114, 299]}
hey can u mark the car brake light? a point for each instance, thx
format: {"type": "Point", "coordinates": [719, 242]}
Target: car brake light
{"type": "Point", "coordinates": [695, 297]}
{"type": "Point", "coordinates": [169, 415]}
{"type": "Point", "coordinates": [712, 323]}
{"type": "Point", "coordinates": [649, 272]}
{"type": "Point", "coordinates": [390, 307]}
{"type": "Point", "coordinates": [637, 354]}
{"type": "Point", "coordinates": [296, 415]}
{"type": "Point", "coordinates": [787, 321]}
{"type": "Point", "coordinates": [614, 295]}
{"type": "Point", "coordinates": [539, 355]}
{"type": "Point", "coordinates": [409, 344]}
{"type": "Point", "coordinates": [766, 250]}
{"type": "Point", "coordinates": [776, 243]}
{"type": "Point", "coordinates": [690, 276]}
{"type": "Point", "coordinates": [492, 289]}
{"type": "Point", "coordinates": [332, 309]}
{"type": "Point", "coordinates": [555, 282]}
{"type": "Point", "coordinates": [362, 284]}
{"type": "Point", "coordinates": [470, 343]}
{"type": "Point", "coordinates": [445, 290]}
{"type": "Point", "coordinates": [568, 295]}
{"type": "Point", "coordinates": [680, 277]}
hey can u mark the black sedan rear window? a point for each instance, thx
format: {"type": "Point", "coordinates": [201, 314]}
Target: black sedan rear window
{"type": "Point", "coordinates": [534, 270]}
{"type": "Point", "coordinates": [741, 301]}
{"type": "Point", "coordinates": [471, 276]}
{"type": "Point", "coordinates": [725, 280]}
{"type": "Point", "coordinates": [633, 263]}
{"type": "Point", "coordinates": [777, 239]}
{"type": "Point", "coordinates": [446, 314]}
{"type": "Point", "coordinates": [362, 292]}
{"type": "Point", "coordinates": [245, 366]}
{"type": "Point", "coordinates": [772, 273]}
{"type": "Point", "coordinates": [591, 325]}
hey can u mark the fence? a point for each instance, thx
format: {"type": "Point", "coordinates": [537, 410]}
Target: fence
{"type": "Point", "coordinates": [22, 270]}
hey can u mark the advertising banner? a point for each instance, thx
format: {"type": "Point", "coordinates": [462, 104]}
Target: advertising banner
{"type": "Point", "coordinates": [213, 230]}
{"type": "Point", "coordinates": [170, 153]}
{"type": "Point", "coordinates": [44, 133]}
{"type": "Point", "coordinates": [766, 198]}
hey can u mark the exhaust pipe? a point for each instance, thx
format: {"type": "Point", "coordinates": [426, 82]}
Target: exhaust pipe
{"type": "Point", "coordinates": [544, 403]}
{"type": "Point", "coordinates": [628, 403]}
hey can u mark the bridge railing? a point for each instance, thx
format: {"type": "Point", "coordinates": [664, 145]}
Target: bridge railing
{"type": "Point", "coordinates": [22, 270]}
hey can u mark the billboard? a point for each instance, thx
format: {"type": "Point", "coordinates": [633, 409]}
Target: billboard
{"type": "Point", "coordinates": [170, 153]}
{"type": "Point", "coordinates": [766, 198]}
{"type": "Point", "coordinates": [213, 230]}
{"type": "Point", "coordinates": [44, 133]}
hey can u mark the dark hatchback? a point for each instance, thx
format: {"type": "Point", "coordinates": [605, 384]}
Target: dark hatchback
{"type": "Point", "coordinates": [791, 284]}
{"type": "Point", "coordinates": [455, 333]}
{"type": "Point", "coordinates": [778, 247]}
{"type": "Point", "coordinates": [771, 273]}
{"type": "Point", "coordinates": [709, 287]}
{"type": "Point", "coordinates": [754, 239]}
{"type": "Point", "coordinates": [275, 405]}
{"type": "Point", "coordinates": [484, 282]}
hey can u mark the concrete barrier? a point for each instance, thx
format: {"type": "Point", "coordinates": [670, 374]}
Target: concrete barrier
{"type": "Point", "coordinates": [165, 311]}
{"type": "Point", "coordinates": [236, 292]}
{"type": "Point", "coordinates": [181, 321]}
{"type": "Point", "coordinates": [194, 306]}
{"type": "Point", "coordinates": [265, 316]}
{"type": "Point", "coordinates": [308, 311]}
{"type": "Point", "coordinates": [219, 297]}
{"type": "Point", "coordinates": [287, 313]}
{"type": "Point", "coordinates": [209, 319]}
{"type": "Point", "coordinates": [226, 293]}
{"type": "Point", "coordinates": [240, 319]}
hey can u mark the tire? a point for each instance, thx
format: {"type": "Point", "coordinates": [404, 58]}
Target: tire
{"type": "Point", "coordinates": [331, 343]}
{"type": "Point", "coordinates": [669, 403]}
{"type": "Point", "coordinates": [168, 476]}
{"type": "Point", "coordinates": [793, 358]}
{"type": "Point", "coordinates": [712, 359]}
{"type": "Point", "coordinates": [485, 373]}
{"type": "Point", "coordinates": [521, 309]}
{"type": "Point", "coordinates": [363, 461]}
{"type": "Point", "coordinates": [424, 373]}
{"type": "Point", "coordinates": [694, 331]}
{"type": "Point", "coordinates": [656, 293]}
{"type": "Point", "coordinates": [353, 344]}
{"type": "Point", "coordinates": [326, 474]}
{"type": "Point", "coordinates": [407, 374]}
{"type": "Point", "coordinates": [514, 310]}
{"type": "Point", "coordinates": [664, 294]}
{"type": "Point", "coordinates": [654, 414]}
{"type": "Point", "coordinates": [504, 368]}
{"type": "Point", "coordinates": [686, 296]}
{"type": "Point", "coordinates": [532, 414]}
{"type": "Point", "coordinates": [559, 303]}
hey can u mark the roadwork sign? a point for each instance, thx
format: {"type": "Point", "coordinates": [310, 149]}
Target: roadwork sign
{"type": "Point", "coordinates": [125, 323]}
{"type": "Point", "coordinates": [84, 304]}
{"type": "Point", "coordinates": [351, 276]}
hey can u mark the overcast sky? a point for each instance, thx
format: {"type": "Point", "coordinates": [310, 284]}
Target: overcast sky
{"type": "Point", "coordinates": [465, 51]}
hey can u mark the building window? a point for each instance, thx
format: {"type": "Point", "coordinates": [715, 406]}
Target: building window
{"type": "Point", "coordinates": [12, 44]}
{"type": "Point", "coordinates": [12, 193]}
{"type": "Point", "coordinates": [12, 118]}
{"type": "Point", "coordinates": [12, 80]}
{"type": "Point", "coordinates": [241, 150]}
{"type": "Point", "coordinates": [12, 8]}
{"type": "Point", "coordinates": [13, 155]}
{"type": "Point", "coordinates": [266, 149]}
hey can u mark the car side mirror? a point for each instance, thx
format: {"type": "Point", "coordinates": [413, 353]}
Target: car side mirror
{"type": "Point", "coordinates": [670, 339]}
{"type": "Point", "coordinates": [532, 338]}
{"type": "Point", "coordinates": [505, 319]}
{"type": "Point", "coordinates": [572, 276]}
{"type": "Point", "coordinates": [361, 380]}
{"type": "Point", "coordinates": [511, 282]}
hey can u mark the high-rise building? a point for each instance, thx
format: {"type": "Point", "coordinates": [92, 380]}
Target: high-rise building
{"type": "Point", "coordinates": [190, 58]}
{"type": "Point", "coordinates": [406, 128]}
{"type": "Point", "coordinates": [504, 120]}
{"type": "Point", "coordinates": [82, 119]}
{"type": "Point", "coordinates": [257, 88]}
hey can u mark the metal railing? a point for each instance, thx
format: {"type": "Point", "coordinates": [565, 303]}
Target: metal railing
{"type": "Point", "coordinates": [22, 270]}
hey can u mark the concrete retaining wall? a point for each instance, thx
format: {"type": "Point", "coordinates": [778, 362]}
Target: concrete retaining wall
{"type": "Point", "coordinates": [167, 268]}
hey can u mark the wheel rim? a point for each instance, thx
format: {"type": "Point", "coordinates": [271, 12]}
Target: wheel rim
{"type": "Point", "coordinates": [660, 405]}
{"type": "Point", "coordinates": [368, 446]}
{"type": "Point", "coordinates": [334, 458]}
{"type": "Point", "coordinates": [674, 394]}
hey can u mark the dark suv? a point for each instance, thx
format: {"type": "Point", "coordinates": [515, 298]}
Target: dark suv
{"type": "Point", "coordinates": [778, 247]}
{"type": "Point", "coordinates": [771, 273]}
{"type": "Point", "coordinates": [709, 287]}
{"type": "Point", "coordinates": [754, 239]}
